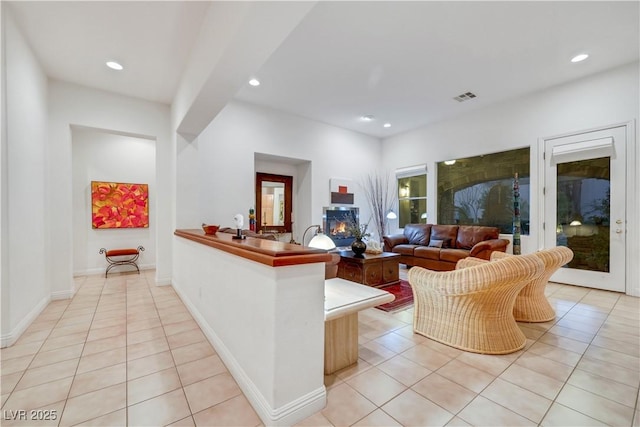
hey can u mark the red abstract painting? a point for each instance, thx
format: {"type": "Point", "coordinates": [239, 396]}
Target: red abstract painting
{"type": "Point", "coordinates": [118, 205]}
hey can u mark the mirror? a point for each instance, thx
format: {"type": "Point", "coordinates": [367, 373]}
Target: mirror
{"type": "Point", "coordinates": [273, 202]}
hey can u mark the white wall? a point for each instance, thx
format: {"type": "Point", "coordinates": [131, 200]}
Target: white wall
{"type": "Point", "coordinates": [600, 100]}
{"type": "Point", "coordinates": [223, 155]}
{"type": "Point", "coordinates": [103, 156]}
{"type": "Point", "coordinates": [25, 281]}
{"type": "Point", "coordinates": [73, 105]}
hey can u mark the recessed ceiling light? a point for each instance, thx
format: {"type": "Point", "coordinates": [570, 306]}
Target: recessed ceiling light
{"type": "Point", "coordinates": [367, 118]}
{"type": "Point", "coordinates": [254, 82]}
{"type": "Point", "coordinates": [386, 125]}
{"type": "Point", "coordinates": [115, 65]}
{"type": "Point", "coordinates": [580, 57]}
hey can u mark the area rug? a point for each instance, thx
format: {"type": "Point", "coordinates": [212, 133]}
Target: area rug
{"type": "Point", "coordinates": [403, 293]}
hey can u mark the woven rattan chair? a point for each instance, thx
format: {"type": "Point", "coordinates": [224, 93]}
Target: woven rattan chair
{"type": "Point", "coordinates": [532, 305]}
{"type": "Point", "coordinates": [472, 308]}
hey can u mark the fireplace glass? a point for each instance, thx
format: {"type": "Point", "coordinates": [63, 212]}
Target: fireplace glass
{"type": "Point", "coordinates": [336, 223]}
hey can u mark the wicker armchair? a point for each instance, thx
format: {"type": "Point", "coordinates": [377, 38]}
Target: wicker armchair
{"type": "Point", "coordinates": [472, 308]}
{"type": "Point", "coordinates": [532, 305]}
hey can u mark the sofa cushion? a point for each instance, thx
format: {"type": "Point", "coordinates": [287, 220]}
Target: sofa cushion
{"type": "Point", "coordinates": [404, 249]}
{"type": "Point", "coordinates": [427, 252]}
{"type": "Point", "coordinates": [417, 234]}
{"type": "Point", "coordinates": [446, 233]}
{"type": "Point", "coordinates": [433, 243]}
{"type": "Point", "coordinates": [469, 235]}
{"type": "Point", "coordinates": [453, 255]}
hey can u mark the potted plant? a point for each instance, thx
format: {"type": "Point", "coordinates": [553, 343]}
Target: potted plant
{"type": "Point", "coordinates": [359, 232]}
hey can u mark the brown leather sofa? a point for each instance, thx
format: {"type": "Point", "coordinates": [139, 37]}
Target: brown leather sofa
{"type": "Point", "coordinates": [439, 247]}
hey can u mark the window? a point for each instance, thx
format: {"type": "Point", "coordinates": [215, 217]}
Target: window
{"type": "Point", "coordinates": [479, 190]}
{"type": "Point", "coordinates": [412, 200]}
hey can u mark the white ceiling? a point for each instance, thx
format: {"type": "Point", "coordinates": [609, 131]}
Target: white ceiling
{"type": "Point", "coordinates": [402, 62]}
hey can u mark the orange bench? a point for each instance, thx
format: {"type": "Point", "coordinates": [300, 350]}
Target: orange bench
{"type": "Point", "coordinates": [131, 254]}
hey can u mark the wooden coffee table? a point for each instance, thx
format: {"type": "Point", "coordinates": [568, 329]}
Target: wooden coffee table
{"type": "Point", "coordinates": [369, 269]}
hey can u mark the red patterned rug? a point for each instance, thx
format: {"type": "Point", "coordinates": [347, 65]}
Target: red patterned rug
{"type": "Point", "coordinates": [403, 293]}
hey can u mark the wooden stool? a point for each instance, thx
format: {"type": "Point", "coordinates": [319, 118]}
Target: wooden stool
{"type": "Point", "coordinates": [131, 254]}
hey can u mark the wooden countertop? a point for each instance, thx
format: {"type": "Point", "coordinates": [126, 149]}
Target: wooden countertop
{"type": "Point", "coordinates": [269, 252]}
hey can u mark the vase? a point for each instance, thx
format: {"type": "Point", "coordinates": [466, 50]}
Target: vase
{"type": "Point", "coordinates": [358, 247]}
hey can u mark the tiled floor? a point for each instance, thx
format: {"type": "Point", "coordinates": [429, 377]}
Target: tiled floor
{"type": "Point", "coordinates": [125, 352]}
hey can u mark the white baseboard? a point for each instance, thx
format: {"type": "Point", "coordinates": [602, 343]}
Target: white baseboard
{"type": "Point", "coordinates": [100, 270]}
{"type": "Point", "coordinates": [68, 294]}
{"type": "Point", "coordinates": [286, 415]}
{"type": "Point", "coordinates": [165, 281]}
{"type": "Point", "coordinates": [10, 338]}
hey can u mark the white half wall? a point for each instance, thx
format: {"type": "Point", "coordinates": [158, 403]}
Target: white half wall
{"type": "Point", "coordinates": [73, 105]}
{"type": "Point", "coordinates": [223, 155]}
{"type": "Point", "coordinates": [26, 286]}
{"type": "Point", "coordinates": [599, 100]}
{"type": "Point", "coordinates": [103, 156]}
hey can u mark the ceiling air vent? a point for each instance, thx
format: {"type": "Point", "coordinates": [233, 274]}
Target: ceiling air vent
{"type": "Point", "coordinates": [465, 97]}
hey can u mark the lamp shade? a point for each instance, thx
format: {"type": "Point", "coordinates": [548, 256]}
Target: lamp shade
{"type": "Point", "coordinates": [321, 241]}
{"type": "Point", "coordinates": [391, 215]}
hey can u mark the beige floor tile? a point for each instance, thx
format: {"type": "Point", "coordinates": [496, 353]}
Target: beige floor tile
{"type": "Point", "coordinates": [64, 341]}
{"type": "Point", "coordinates": [376, 386]}
{"type": "Point", "coordinates": [616, 335]}
{"type": "Point", "coordinates": [185, 422]}
{"type": "Point", "coordinates": [71, 329]}
{"type": "Point", "coordinates": [234, 412]}
{"type": "Point", "coordinates": [8, 382]}
{"type": "Point", "coordinates": [345, 406]}
{"type": "Point", "coordinates": [116, 418]}
{"type": "Point", "coordinates": [211, 391]}
{"type": "Point", "coordinates": [445, 393]}
{"type": "Point", "coordinates": [412, 409]}
{"type": "Point", "coordinates": [39, 396]}
{"type": "Point", "coordinates": [111, 331]}
{"type": "Point", "coordinates": [483, 412]}
{"type": "Point", "coordinates": [594, 406]}
{"type": "Point", "coordinates": [442, 348]}
{"type": "Point", "coordinates": [12, 366]}
{"type": "Point", "coordinates": [458, 422]}
{"type": "Point", "coordinates": [613, 357]}
{"type": "Point", "coordinates": [374, 353]}
{"type": "Point", "coordinates": [101, 360]}
{"type": "Point", "coordinates": [186, 338]}
{"type": "Point", "coordinates": [96, 380]}
{"type": "Point", "coordinates": [395, 342]}
{"type": "Point", "coordinates": [517, 399]}
{"type": "Point", "coordinates": [467, 376]}
{"type": "Point", "coordinates": [377, 418]}
{"type": "Point", "coordinates": [33, 337]}
{"type": "Point", "coordinates": [105, 344]}
{"type": "Point", "coordinates": [561, 416]}
{"type": "Point", "coordinates": [42, 325]}
{"type": "Point", "coordinates": [176, 328]}
{"type": "Point", "coordinates": [45, 374]}
{"type": "Point", "coordinates": [491, 364]}
{"type": "Point", "coordinates": [175, 318]}
{"type": "Point", "coordinates": [200, 369]}
{"type": "Point", "coordinates": [175, 309]}
{"type": "Point", "coordinates": [427, 357]}
{"type": "Point", "coordinates": [95, 404]}
{"type": "Point", "coordinates": [109, 323]}
{"type": "Point", "coordinates": [315, 420]}
{"type": "Point", "coordinates": [144, 335]}
{"type": "Point", "coordinates": [160, 411]}
{"type": "Point", "coordinates": [68, 321]}
{"type": "Point", "coordinates": [531, 333]}
{"type": "Point", "coordinates": [404, 370]}
{"type": "Point", "coordinates": [192, 352]}
{"type": "Point", "coordinates": [136, 351]}
{"type": "Point", "coordinates": [555, 353]}
{"type": "Point", "coordinates": [631, 349]}
{"type": "Point", "coordinates": [565, 343]}
{"type": "Point", "coordinates": [152, 385]}
{"type": "Point", "coordinates": [542, 365]}
{"type": "Point", "coordinates": [140, 325]}
{"type": "Point", "coordinates": [609, 389]}
{"type": "Point", "coordinates": [601, 368]}
{"type": "Point", "coordinates": [353, 370]}
{"type": "Point", "coordinates": [54, 356]}
{"type": "Point", "coordinates": [148, 365]}
{"type": "Point", "coordinates": [533, 381]}
{"type": "Point", "coordinates": [21, 350]}
{"type": "Point", "coordinates": [571, 333]}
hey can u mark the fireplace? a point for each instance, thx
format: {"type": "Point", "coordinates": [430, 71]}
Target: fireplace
{"type": "Point", "coordinates": [336, 221]}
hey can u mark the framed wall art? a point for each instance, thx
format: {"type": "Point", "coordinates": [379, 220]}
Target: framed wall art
{"type": "Point", "coordinates": [119, 205]}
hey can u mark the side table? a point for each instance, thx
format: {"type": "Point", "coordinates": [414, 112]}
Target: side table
{"type": "Point", "coordinates": [369, 269]}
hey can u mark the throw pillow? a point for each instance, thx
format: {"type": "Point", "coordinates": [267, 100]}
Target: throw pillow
{"type": "Point", "coordinates": [435, 243]}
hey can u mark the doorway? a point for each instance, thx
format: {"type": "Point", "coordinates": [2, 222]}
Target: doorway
{"type": "Point", "coordinates": [585, 206]}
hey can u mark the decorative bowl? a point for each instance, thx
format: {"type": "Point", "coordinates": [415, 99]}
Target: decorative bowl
{"type": "Point", "coordinates": [210, 229]}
